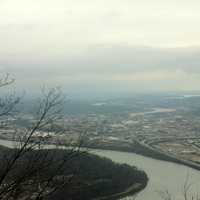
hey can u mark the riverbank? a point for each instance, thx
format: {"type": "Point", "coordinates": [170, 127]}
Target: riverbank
{"type": "Point", "coordinates": [141, 149]}
{"type": "Point", "coordinates": [132, 190]}
{"type": "Point", "coordinates": [131, 147]}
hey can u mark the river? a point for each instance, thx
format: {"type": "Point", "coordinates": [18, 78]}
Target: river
{"type": "Point", "coordinates": [162, 175]}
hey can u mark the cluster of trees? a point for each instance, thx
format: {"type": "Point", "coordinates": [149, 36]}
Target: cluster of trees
{"type": "Point", "coordinates": [97, 177]}
{"type": "Point", "coordinates": [43, 174]}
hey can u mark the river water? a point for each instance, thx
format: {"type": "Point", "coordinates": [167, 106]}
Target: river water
{"type": "Point", "coordinates": [163, 176]}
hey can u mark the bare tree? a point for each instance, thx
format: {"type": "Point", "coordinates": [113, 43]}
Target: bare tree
{"type": "Point", "coordinates": [32, 170]}
{"type": "Point", "coordinates": [186, 193]}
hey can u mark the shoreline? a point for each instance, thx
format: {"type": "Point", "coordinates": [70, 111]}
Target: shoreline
{"type": "Point", "coordinates": [136, 147]}
{"type": "Point", "coordinates": [132, 190]}
{"type": "Point", "coordinates": [147, 151]}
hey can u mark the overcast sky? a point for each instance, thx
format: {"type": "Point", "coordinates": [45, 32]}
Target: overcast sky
{"type": "Point", "coordinates": [131, 45]}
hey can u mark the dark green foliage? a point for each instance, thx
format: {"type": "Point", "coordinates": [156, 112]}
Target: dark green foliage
{"type": "Point", "coordinates": [91, 176]}
{"type": "Point", "coordinates": [100, 177]}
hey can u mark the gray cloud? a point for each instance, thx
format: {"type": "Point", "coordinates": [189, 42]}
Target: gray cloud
{"type": "Point", "coordinates": [131, 44]}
